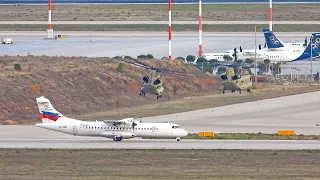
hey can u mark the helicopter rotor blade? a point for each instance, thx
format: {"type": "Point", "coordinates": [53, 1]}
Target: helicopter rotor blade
{"type": "Point", "coordinates": [141, 64]}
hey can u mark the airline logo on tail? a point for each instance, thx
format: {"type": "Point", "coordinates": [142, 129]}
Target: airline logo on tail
{"type": "Point", "coordinates": [49, 115]}
{"type": "Point", "coordinates": [315, 44]}
{"type": "Point", "coordinates": [272, 40]}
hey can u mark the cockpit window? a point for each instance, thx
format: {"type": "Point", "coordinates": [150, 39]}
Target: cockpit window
{"type": "Point", "coordinates": [175, 127]}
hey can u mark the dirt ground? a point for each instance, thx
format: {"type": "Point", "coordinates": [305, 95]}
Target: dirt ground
{"type": "Point", "coordinates": [211, 12]}
{"type": "Point", "coordinates": [159, 164]}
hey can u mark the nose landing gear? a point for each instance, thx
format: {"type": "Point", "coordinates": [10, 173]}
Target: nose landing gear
{"type": "Point", "coordinates": [117, 138]}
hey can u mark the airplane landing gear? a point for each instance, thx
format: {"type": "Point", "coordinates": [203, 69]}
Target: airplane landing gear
{"type": "Point", "coordinates": [160, 96]}
{"type": "Point", "coordinates": [178, 139]}
{"type": "Point", "coordinates": [142, 93]}
{"type": "Point", "coordinates": [117, 138]}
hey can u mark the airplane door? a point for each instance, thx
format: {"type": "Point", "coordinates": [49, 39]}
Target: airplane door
{"type": "Point", "coordinates": [74, 130]}
{"type": "Point", "coordinates": [282, 57]}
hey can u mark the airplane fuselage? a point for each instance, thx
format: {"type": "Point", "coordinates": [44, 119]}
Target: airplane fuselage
{"type": "Point", "coordinates": [99, 128]}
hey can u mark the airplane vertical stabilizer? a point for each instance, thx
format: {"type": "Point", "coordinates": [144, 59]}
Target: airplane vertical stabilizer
{"type": "Point", "coordinates": [314, 44]}
{"type": "Point", "coordinates": [271, 39]}
{"type": "Point", "coordinates": [47, 112]}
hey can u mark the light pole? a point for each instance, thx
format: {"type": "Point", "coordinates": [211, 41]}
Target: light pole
{"type": "Point", "coordinates": [311, 58]}
{"type": "Point", "coordinates": [255, 54]}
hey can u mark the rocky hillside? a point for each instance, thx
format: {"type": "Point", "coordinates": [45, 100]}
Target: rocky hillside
{"type": "Point", "coordinates": [80, 85]}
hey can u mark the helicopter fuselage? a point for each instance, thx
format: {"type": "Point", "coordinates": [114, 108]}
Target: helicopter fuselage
{"type": "Point", "coordinates": [152, 89]}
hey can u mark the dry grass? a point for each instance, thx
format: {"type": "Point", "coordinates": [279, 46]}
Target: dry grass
{"type": "Point", "coordinates": [159, 164]}
{"type": "Point", "coordinates": [160, 27]}
{"type": "Point", "coordinates": [84, 85]}
{"type": "Point", "coordinates": [211, 12]}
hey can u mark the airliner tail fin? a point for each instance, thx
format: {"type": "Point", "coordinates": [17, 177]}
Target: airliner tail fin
{"type": "Point", "coordinates": [47, 112]}
{"type": "Point", "coordinates": [271, 39]}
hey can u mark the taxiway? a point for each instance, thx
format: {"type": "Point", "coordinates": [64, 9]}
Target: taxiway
{"type": "Point", "coordinates": [110, 44]}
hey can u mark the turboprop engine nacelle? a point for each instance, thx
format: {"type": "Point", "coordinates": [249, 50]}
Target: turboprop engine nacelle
{"type": "Point", "coordinates": [112, 134]}
{"type": "Point", "coordinates": [129, 122]}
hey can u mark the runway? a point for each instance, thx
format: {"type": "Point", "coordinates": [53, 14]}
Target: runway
{"type": "Point", "coordinates": [110, 44]}
{"type": "Point", "coordinates": [299, 113]}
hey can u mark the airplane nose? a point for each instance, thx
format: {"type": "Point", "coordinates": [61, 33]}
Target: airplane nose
{"type": "Point", "coordinates": [184, 132]}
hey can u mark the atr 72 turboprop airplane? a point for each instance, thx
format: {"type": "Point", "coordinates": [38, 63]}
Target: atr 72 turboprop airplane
{"type": "Point", "coordinates": [115, 129]}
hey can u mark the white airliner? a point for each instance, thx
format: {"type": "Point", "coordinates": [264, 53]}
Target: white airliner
{"type": "Point", "coordinates": [115, 129]}
{"type": "Point", "coordinates": [275, 55]}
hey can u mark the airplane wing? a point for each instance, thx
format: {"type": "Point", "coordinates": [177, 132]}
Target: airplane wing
{"type": "Point", "coordinates": [126, 121]}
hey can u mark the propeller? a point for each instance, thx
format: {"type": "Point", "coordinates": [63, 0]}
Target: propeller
{"type": "Point", "coordinates": [133, 125]}
{"type": "Point", "coordinates": [235, 54]}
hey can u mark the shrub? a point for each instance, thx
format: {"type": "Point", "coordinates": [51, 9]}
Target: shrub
{"type": "Point", "coordinates": [201, 60]}
{"type": "Point", "coordinates": [191, 58]}
{"type": "Point", "coordinates": [141, 56]}
{"type": "Point", "coordinates": [128, 57]}
{"type": "Point", "coordinates": [17, 67]}
{"type": "Point", "coordinates": [120, 67]}
{"type": "Point", "coordinates": [182, 58]}
{"type": "Point", "coordinates": [150, 56]}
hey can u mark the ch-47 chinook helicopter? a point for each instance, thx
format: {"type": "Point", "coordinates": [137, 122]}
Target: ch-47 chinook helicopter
{"type": "Point", "coordinates": [152, 84]}
{"type": "Point", "coordinates": [236, 82]}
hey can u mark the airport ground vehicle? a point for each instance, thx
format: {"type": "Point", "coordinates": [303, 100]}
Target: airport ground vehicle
{"type": "Point", "coordinates": [7, 41]}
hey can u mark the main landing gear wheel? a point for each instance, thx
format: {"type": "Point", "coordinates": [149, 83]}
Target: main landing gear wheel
{"type": "Point", "coordinates": [117, 138]}
{"type": "Point", "coordinates": [178, 139]}
{"type": "Point", "coordinates": [223, 92]}
{"type": "Point", "coordinates": [159, 96]}
{"type": "Point", "coordinates": [239, 91]}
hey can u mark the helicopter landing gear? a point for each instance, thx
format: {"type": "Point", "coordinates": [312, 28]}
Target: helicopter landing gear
{"type": "Point", "coordinates": [117, 138]}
